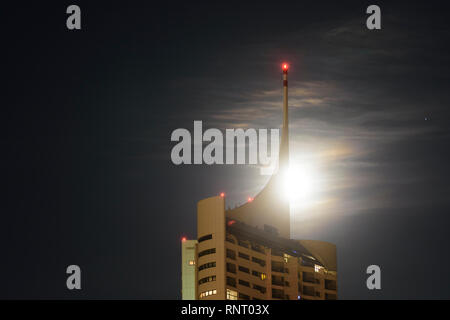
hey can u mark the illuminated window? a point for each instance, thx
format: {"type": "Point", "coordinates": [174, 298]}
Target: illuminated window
{"type": "Point", "coordinates": [231, 294]}
{"type": "Point", "coordinates": [207, 293]}
{"type": "Point", "coordinates": [258, 274]}
{"type": "Point", "coordinates": [191, 262]}
{"type": "Point", "coordinates": [317, 268]}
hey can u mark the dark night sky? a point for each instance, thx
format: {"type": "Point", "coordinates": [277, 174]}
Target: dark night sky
{"type": "Point", "coordinates": [87, 118]}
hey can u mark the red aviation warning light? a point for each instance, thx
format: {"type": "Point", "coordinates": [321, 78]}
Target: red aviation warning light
{"type": "Point", "coordinates": [249, 199]}
{"type": "Point", "coordinates": [222, 194]}
{"type": "Point", "coordinates": [183, 239]}
{"type": "Point", "coordinates": [285, 66]}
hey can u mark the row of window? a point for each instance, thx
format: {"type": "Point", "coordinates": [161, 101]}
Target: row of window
{"type": "Point", "coordinates": [275, 252]}
{"type": "Point", "coordinates": [309, 277]}
{"type": "Point", "coordinates": [204, 238]}
{"type": "Point", "coordinates": [207, 293]}
{"type": "Point", "coordinates": [279, 281]}
{"type": "Point", "coordinates": [259, 288]}
{"type": "Point", "coordinates": [206, 252]}
{"type": "Point", "coordinates": [207, 279]}
{"type": "Point", "coordinates": [232, 283]}
{"type": "Point", "coordinates": [230, 239]}
{"type": "Point", "coordinates": [245, 244]}
{"type": "Point", "coordinates": [232, 255]}
{"type": "Point", "coordinates": [244, 269]}
{"type": "Point", "coordinates": [233, 295]}
{"type": "Point", "coordinates": [244, 256]}
{"type": "Point", "coordinates": [207, 265]}
{"type": "Point", "coordinates": [258, 274]}
{"type": "Point", "coordinates": [243, 296]}
{"type": "Point", "coordinates": [278, 266]}
{"type": "Point", "coordinates": [244, 283]}
{"type": "Point", "coordinates": [232, 269]}
{"type": "Point", "coordinates": [279, 294]}
{"type": "Point", "coordinates": [262, 263]}
{"type": "Point", "coordinates": [310, 291]}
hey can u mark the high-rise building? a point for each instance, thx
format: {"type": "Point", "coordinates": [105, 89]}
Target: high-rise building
{"type": "Point", "coordinates": [188, 269]}
{"type": "Point", "coordinates": [247, 253]}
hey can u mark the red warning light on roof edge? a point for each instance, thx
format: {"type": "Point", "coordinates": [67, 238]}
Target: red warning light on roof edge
{"type": "Point", "coordinates": [222, 194]}
{"type": "Point", "coordinates": [183, 239]}
{"type": "Point", "coordinates": [285, 66]}
{"type": "Point", "coordinates": [250, 199]}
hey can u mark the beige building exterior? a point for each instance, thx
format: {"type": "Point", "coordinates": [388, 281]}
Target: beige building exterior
{"type": "Point", "coordinates": [188, 269]}
{"type": "Point", "coordinates": [238, 261]}
{"type": "Point", "coordinates": [247, 253]}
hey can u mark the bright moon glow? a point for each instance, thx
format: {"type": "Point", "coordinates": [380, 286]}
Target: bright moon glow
{"type": "Point", "coordinates": [301, 184]}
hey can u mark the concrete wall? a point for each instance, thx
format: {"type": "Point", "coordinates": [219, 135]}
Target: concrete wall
{"type": "Point", "coordinates": [188, 271]}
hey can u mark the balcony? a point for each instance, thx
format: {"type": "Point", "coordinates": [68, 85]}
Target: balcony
{"type": "Point", "coordinates": [330, 285]}
{"type": "Point", "coordinates": [309, 278]}
{"type": "Point", "coordinates": [257, 248]}
{"type": "Point", "coordinates": [309, 291]}
{"type": "Point", "coordinates": [262, 263]}
{"type": "Point", "coordinates": [244, 283]}
{"type": "Point", "coordinates": [231, 254]}
{"type": "Point", "coordinates": [230, 239]}
{"type": "Point", "coordinates": [231, 268]}
{"type": "Point", "coordinates": [280, 270]}
{"type": "Point", "coordinates": [259, 288]}
{"type": "Point", "coordinates": [243, 244]}
{"type": "Point", "coordinates": [279, 267]}
{"type": "Point", "coordinates": [312, 281]}
{"type": "Point", "coordinates": [278, 294]}
{"type": "Point", "coordinates": [231, 282]}
{"type": "Point", "coordinates": [278, 281]}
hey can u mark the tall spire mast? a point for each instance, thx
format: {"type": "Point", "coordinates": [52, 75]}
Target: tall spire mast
{"type": "Point", "coordinates": [271, 207]}
{"type": "Point", "coordinates": [284, 147]}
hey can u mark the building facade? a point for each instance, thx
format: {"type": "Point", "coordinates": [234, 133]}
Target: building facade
{"type": "Point", "coordinates": [188, 269]}
{"type": "Point", "coordinates": [247, 253]}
